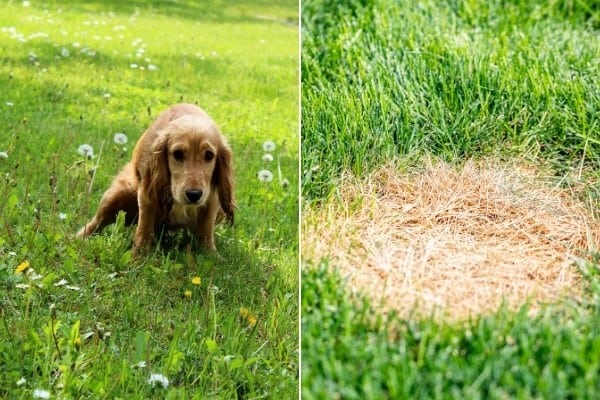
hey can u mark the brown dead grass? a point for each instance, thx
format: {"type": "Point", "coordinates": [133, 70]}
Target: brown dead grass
{"type": "Point", "coordinates": [454, 242]}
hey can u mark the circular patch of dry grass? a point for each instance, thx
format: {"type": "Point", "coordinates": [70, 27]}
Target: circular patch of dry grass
{"type": "Point", "coordinates": [454, 242]}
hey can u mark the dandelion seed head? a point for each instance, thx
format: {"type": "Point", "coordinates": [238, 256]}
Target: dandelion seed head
{"type": "Point", "coordinates": [10, 103]}
{"type": "Point", "coordinates": [269, 146]}
{"type": "Point", "coordinates": [107, 95]}
{"type": "Point", "coordinates": [65, 52]}
{"type": "Point", "coordinates": [133, 65]}
{"type": "Point", "coordinates": [267, 157]}
{"type": "Point", "coordinates": [265, 175]}
{"type": "Point", "coordinates": [3, 155]}
{"type": "Point", "coordinates": [158, 379]}
{"type": "Point", "coordinates": [86, 150]}
{"type": "Point", "coordinates": [26, 3]}
{"type": "Point", "coordinates": [151, 67]}
{"type": "Point", "coordinates": [62, 216]}
{"type": "Point", "coordinates": [285, 183]}
{"type": "Point", "coordinates": [120, 138]}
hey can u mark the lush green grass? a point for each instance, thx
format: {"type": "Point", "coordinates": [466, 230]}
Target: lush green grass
{"type": "Point", "coordinates": [384, 80]}
{"type": "Point", "coordinates": [453, 78]}
{"type": "Point", "coordinates": [86, 320]}
{"type": "Point", "coordinates": [350, 352]}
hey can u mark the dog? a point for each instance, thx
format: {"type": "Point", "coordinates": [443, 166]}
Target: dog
{"type": "Point", "coordinates": [180, 176]}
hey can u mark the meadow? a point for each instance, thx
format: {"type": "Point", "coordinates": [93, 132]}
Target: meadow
{"type": "Point", "coordinates": [391, 85]}
{"type": "Point", "coordinates": [84, 319]}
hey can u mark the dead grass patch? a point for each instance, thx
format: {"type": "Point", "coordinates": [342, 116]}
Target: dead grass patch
{"type": "Point", "coordinates": [454, 242]}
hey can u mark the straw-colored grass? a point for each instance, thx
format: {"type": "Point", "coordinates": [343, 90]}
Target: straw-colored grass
{"type": "Point", "coordinates": [454, 242]}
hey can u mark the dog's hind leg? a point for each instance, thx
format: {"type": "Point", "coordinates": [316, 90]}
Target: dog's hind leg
{"type": "Point", "coordinates": [121, 196]}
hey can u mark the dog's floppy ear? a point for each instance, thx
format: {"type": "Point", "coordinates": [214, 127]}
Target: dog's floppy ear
{"type": "Point", "coordinates": [157, 175]}
{"type": "Point", "coordinates": [223, 180]}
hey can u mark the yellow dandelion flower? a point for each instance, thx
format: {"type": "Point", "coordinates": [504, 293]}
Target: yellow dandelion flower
{"type": "Point", "coordinates": [188, 294]}
{"type": "Point", "coordinates": [196, 280]}
{"type": "Point", "coordinates": [22, 267]}
{"type": "Point", "coordinates": [244, 312]}
{"type": "Point", "coordinates": [251, 320]}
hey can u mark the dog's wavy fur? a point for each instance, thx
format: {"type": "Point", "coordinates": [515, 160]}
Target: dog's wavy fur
{"type": "Point", "coordinates": [180, 175]}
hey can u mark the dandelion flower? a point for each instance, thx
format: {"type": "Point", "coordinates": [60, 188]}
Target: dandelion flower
{"type": "Point", "coordinates": [265, 175]}
{"type": "Point", "coordinates": [22, 267]}
{"type": "Point", "coordinates": [267, 157]}
{"type": "Point", "coordinates": [86, 150]}
{"type": "Point", "coordinates": [244, 312]}
{"type": "Point", "coordinates": [188, 294]}
{"type": "Point", "coordinates": [158, 379]}
{"type": "Point", "coordinates": [3, 155]}
{"type": "Point", "coordinates": [269, 146]}
{"type": "Point", "coordinates": [251, 320]}
{"type": "Point", "coordinates": [120, 138]}
{"type": "Point", "coordinates": [285, 183]}
{"type": "Point", "coordinates": [196, 280]}
{"type": "Point", "coordinates": [41, 394]}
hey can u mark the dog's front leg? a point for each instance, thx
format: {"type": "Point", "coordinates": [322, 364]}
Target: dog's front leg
{"type": "Point", "coordinates": [146, 224]}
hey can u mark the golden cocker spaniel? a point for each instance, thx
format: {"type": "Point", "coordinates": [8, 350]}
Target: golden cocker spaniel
{"type": "Point", "coordinates": [180, 176]}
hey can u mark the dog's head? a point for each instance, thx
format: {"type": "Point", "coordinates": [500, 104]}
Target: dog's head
{"type": "Point", "coordinates": [191, 159]}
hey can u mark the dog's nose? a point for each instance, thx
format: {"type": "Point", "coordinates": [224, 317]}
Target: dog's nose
{"type": "Point", "coordinates": [193, 195]}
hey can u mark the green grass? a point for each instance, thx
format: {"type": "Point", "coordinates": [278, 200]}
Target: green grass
{"type": "Point", "coordinates": [390, 80]}
{"type": "Point", "coordinates": [80, 326]}
{"type": "Point", "coordinates": [456, 79]}
{"type": "Point", "coordinates": [350, 352]}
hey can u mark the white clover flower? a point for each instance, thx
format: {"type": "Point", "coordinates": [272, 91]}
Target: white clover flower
{"type": "Point", "coordinates": [41, 394]}
{"type": "Point", "coordinates": [3, 155]}
{"type": "Point", "coordinates": [265, 175]}
{"type": "Point", "coordinates": [267, 157]}
{"type": "Point", "coordinates": [64, 52]}
{"type": "Point", "coordinates": [269, 146]}
{"type": "Point", "coordinates": [158, 379]}
{"type": "Point", "coordinates": [120, 138]}
{"type": "Point", "coordinates": [62, 216]}
{"type": "Point", "coordinates": [86, 150]}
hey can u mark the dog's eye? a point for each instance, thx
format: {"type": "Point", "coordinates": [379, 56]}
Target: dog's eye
{"type": "Point", "coordinates": [209, 155]}
{"type": "Point", "coordinates": [178, 155]}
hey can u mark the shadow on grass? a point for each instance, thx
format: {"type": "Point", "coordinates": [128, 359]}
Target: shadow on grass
{"type": "Point", "coordinates": [225, 11]}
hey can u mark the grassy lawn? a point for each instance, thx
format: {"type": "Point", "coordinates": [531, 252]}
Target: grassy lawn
{"type": "Point", "coordinates": [84, 319]}
{"type": "Point", "coordinates": [396, 82]}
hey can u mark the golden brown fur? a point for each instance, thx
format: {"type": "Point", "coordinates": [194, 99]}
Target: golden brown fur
{"type": "Point", "coordinates": [180, 175]}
